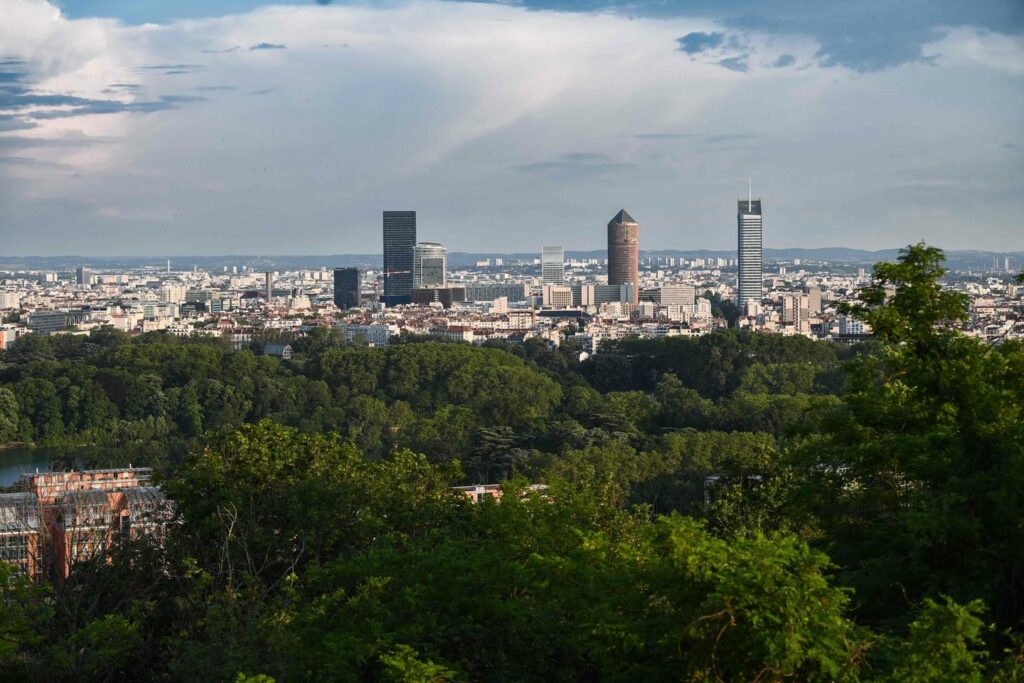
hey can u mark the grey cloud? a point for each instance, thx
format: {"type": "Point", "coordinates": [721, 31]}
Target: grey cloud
{"type": "Point", "coordinates": [21, 103]}
{"type": "Point", "coordinates": [213, 88]}
{"type": "Point", "coordinates": [236, 48]}
{"type": "Point", "coordinates": [663, 136]}
{"type": "Point", "coordinates": [29, 161]}
{"type": "Point", "coordinates": [730, 137]}
{"type": "Point", "coordinates": [869, 35]}
{"type": "Point", "coordinates": [17, 142]}
{"type": "Point", "coordinates": [576, 164]}
{"type": "Point", "coordinates": [172, 67]}
{"type": "Point", "coordinates": [267, 46]}
{"type": "Point", "coordinates": [695, 43]}
{"type": "Point", "coordinates": [735, 63]}
{"type": "Point", "coordinates": [783, 61]}
{"type": "Point", "coordinates": [702, 138]}
{"type": "Point", "coordinates": [727, 50]}
{"type": "Point", "coordinates": [9, 122]}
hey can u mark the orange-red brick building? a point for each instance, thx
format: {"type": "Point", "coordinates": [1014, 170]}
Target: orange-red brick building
{"type": "Point", "coordinates": [56, 519]}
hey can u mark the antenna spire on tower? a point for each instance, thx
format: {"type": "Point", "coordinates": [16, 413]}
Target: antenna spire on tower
{"type": "Point", "coordinates": [750, 194]}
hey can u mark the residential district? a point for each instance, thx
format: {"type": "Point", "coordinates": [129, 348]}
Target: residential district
{"type": "Point", "coordinates": [417, 292]}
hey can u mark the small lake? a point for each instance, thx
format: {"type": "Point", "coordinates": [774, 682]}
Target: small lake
{"type": "Point", "coordinates": [20, 460]}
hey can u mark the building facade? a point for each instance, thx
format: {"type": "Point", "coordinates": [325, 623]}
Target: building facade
{"type": "Point", "coordinates": [552, 264]}
{"type": "Point", "coordinates": [429, 265]}
{"type": "Point", "coordinates": [56, 519]}
{"type": "Point", "coordinates": [399, 242]}
{"type": "Point", "coordinates": [750, 277]}
{"type": "Point", "coordinates": [446, 296]}
{"type": "Point", "coordinates": [489, 291]}
{"type": "Point", "coordinates": [556, 296]}
{"type": "Point", "coordinates": [624, 252]}
{"type": "Point", "coordinates": [346, 287]}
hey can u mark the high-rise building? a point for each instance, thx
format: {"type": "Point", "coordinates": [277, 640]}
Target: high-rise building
{"type": "Point", "coordinates": [556, 296]}
{"type": "Point", "coordinates": [346, 287]}
{"type": "Point", "coordinates": [399, 242]}
{"type": "Point", "coordinates": [624, 252]}
{"type": "Point", "coordinates": [270, 286]}
{"type": "Point", "coordinates": [750, 277]}
{"type": "Point", "coordinates": [552, 264]}
{"type": "Point", "coordinates": [814, 300]}
{"type": "Point", "coordinates": [429, 265]}
{"type": "Point", "coordinates": [83, 276]}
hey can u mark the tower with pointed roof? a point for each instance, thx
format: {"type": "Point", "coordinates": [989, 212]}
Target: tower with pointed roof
{"type": "Point", "coordinates": [750, 272]}
{"type": "Point", "coordinates": [624, 252]}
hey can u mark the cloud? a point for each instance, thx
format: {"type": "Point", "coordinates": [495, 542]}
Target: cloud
{"type": "Point", "coordinates": [783, 61]}
{"type": "Point", "coordinates": [695, 43]}
{"type": "Point", "coordinates": [735, 63]}
{"type": "Point", "coordinates": [28, 105]}
{"type": "Point", "coordinates": [576, 164]}
{"type": "Point", "coordinates": [701, 138]}
{"type": "Point", "coordinates": [31, 161]}
{"type": "Point", "coordinates": [10, 122]}
{"type": "Point", "coordinates": [176, 68]}
{"type": "Point", "coordinates": [973, 47]}
{"type": "Point", "coordinates": [495, 122]}
{"type": "Point", "coordinates": [267, 46]}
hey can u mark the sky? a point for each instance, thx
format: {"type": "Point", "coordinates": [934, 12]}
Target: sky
{"type": "Point", "coordinates": [149, 127]}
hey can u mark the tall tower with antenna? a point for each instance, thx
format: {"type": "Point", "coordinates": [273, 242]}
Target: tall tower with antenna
{"type": "Point", "coordinates": [750, 277]}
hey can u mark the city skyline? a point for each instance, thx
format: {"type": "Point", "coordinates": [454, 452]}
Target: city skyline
{"type": "Point", "coordinates": [123, 128]}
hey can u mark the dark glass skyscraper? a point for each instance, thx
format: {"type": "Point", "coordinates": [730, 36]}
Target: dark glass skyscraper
{"type": "Point", "coordinates": [346, 287]}
{"type": "Point", "coordinates": [750, 277]}
{"type": "Point", "coordinates": [399, 241]}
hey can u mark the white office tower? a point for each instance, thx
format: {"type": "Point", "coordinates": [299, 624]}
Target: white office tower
{"type": "Point", "coordinates": [750, 277]}
{"type": "Point", "coordinates": [429, 265]}
{"type": "Point", "coordinates": [552, 262]}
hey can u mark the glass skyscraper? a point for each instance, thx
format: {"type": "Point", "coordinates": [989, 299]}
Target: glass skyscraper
{"type": "Point", "coordinates": [429, 265]}
{"type": "Point", "coordinates": [399, 241]}
{"type": "Point", "coordinates": [552, 264]}
{"type": "Point", "coordinates": [346, 287]}
{"type": "Point", "coordinates": [750, 277]}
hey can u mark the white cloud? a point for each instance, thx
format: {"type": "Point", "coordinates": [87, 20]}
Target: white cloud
{"type": "Point", "coordinates": [444, 107]}
{"type": "Point", "coordinates": [977, 47]}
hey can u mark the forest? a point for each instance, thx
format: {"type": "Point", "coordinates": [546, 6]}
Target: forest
{"type": "Point", "coordinates": [730, 507]}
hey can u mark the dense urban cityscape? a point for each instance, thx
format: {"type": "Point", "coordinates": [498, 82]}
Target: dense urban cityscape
{"type": "Point", "coordinates": [502, 341]}
{"type": "Point", "coordinates": [417, 292]}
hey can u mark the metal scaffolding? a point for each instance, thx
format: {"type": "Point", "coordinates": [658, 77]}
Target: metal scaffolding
{"type": "Point", "coordinates": [20, 533]}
